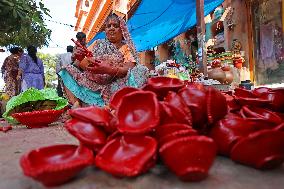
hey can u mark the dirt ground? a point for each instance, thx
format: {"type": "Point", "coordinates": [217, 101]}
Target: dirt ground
{"type": "Point", "coordinates": [224, 174]}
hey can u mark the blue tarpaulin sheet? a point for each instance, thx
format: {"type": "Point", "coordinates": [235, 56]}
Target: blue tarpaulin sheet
{"type": "Point", "coordinates": [156, 21]}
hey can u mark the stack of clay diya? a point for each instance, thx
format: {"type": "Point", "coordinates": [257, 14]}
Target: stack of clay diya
{"type": "Point", "coordinates": [164, 120]}
{"type": "Point", "coordinates": [252, 133]}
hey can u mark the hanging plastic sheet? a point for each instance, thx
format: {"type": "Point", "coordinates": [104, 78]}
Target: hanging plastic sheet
{"type": "Point", "coordinates": [156, 21]}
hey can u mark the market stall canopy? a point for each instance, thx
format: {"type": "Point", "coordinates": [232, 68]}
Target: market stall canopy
{"type": "Point", "coordinates": [157, 21]}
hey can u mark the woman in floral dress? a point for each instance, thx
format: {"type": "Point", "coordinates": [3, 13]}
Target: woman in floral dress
{"type": "Point", "coordinates": [9, 71]}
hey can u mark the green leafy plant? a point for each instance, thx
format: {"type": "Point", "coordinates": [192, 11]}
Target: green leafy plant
{"type": "Point", "coordinates": [49, 62]}
{"type": "Point", "coordinates": [22, 23]}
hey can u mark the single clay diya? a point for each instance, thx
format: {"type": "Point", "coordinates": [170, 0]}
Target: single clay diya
{"type": "Point", "coordinates": [171, 114]}
{"type": "Point", "coordinates": [176, 135]}
{"type": "Point", "coordinates": [199, 86]}
{"type": "Point", "coordinates": [5, 128]}
{"type": "Point", "coordinates": [232, 103]}
{"type": "Point", "coordinates": [95, 115]}
{"type": "Point", "coordinates": [261, 150]}
{"type": "Point", "coordinates": [55, 165]}
{"type": "Point", "coordinates": [163, 130]}
{"type": "Point", "coordinates": [216, 105]}
{"type": "Point", "coordinates": [127, 156]}
{"type": "Point", "coordinates": [244, 93]}
{"type": "Point", "coordinates": [258, 102]}
{"type": "Point", "coordinates": [276, 98]}
{"type": "Point", "coordinates": [88, 134]}
{"type": "Point", "coordinates": [228, 131]}
{"type": "Point", "coordinates": [260, 113]}
{"type": "Point", "coordinates": [176, 101]}
{"type": "Point", "coordinates": [195, 100]}
{"type": "Point", "coordinates": [162, 85]}
{"type": "Point", "coordinates": [39, 118]}
{"type": "Point", "coordinates": [248, 97]}
{"type": "Point", "coordinates": [115, 100]}
{"type": "Point", "coordinates": [189, 157]}
{"type": "Point", "coordinates": [138, 112]}
{"type": "Point", "coordinates": [260, 91]}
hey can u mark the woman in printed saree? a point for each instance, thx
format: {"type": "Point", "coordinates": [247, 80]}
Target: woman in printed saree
{"type": "Point", "coordinates": [31, 70]}
{"type": "Point", "coordinates": [114, 65]}
{"type": "Point", "coordinates": [9, 71]}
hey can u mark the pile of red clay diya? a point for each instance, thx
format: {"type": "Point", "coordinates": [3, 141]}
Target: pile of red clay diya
{"type": "Point", "coordinates": [164, 119]}
{"type": "Point", "coordinates": [252, 133]}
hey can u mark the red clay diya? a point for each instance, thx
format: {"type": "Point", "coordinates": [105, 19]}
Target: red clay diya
{"type": "Point", "coordinates": [279, 127]}
{"type": "Point", "coordinates": [95, 115]}
{"type": "Point", "coordinates": [127, 156]}
{"type": "Point", "coordinates": [5, 128]}
{"type": "Point", "coordinates": [244, 93]}
{"type": "Point", "coordinates": [176, 135]}
{"type": "Point", "coordinates": [175, 100]}
{"type": "Point", "coordinates": [262, 149]}
{"type": "Point", "coordinates": [138, 112]}
{"type": "Point", "coordinates": [189, 157]}
{"type": "Point", "coordinates": [233, 105]}
{"type": "Point", "coordinates": [216, 105]}
{"type": "Point", "coordinates": [198, 86]}
{"type": "Point", "coordinates": [163, 130]}
{"type": "Point", "coordinates": [228, 131]}
{"type": "Point", "coordinates": [260, 91]}
{"type": "Point", "coordinates": [260, 113]}
{"type": "Point", "coordinates": [258, 102]}
{"type": "Point", "coordinates": [38, 119]}
{"type": "Point", "coordinates": [162, 85]}
{"type": "Point", "coordinates": [116, 98]}
{"type": "Point", "coordinates": [171, 114]}
{"type": "Point", "coordinates": [195, 100]}
{"type": "Point", "coordinates": [88, 134]}
{"type": "Point", "coordinates": [248, 97]}
{"type": "Point", "coordinates": [55, 165]}
{"type": "Point", "coordinates": [276, 97]}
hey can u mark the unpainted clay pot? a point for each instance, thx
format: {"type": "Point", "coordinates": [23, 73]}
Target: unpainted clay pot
{"type": "Point", "coordinates": [217, 74]}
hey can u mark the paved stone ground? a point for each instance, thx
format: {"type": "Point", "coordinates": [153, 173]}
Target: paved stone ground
{"type": "Point", "coordinates": [224, 174]}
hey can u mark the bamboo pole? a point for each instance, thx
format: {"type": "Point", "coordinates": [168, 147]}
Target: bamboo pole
{"type": "Point", "coordinates": [201, 36]}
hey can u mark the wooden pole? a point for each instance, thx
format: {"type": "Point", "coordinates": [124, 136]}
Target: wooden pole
{"type": "Point", "coordinates": [201, 36]}
{"type": "Point", "coordinates": [250, 41]}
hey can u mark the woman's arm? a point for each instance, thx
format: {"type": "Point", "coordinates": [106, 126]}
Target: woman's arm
{"type": "Point", "coordinates": [122, 70]}
{"type": "Point", "coordinates": [20, 73]}
{"type": "Point", "coordinates": [103, 67]}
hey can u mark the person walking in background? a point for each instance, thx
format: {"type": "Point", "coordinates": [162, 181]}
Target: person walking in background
{"type": "Point", "coordinates": [10, 70]}
{"type": "Point", "coordinates": [31, 70]}
{"type": "Point", "coordinates": [63, 60]}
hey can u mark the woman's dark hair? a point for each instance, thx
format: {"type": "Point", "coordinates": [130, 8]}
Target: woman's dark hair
{"type": "Point", "coordinates": [69, 48]}
{"type": "Point", "coordinates": [14, 50]}
{"type": "Point", "coordinates": [32, 52]}
{"type": "Point", "coordinates": [80, 35]}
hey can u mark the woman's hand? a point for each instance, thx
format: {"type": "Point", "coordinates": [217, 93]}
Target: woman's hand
{"type": "Point", "coordinates": [78, 54]}
{"type": "Point", "coordinates": [98, 67]}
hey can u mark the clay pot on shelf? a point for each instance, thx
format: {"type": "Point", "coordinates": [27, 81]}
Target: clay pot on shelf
{"type": "Point", "coordinates": [229, 77]}
{"type": "Point", "coordinates": [217, 74]}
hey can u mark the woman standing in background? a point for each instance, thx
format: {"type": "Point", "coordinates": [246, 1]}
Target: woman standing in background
{"type": "Point", "coordinates": [9, 71]}
{"type": "Point", "coordinates": [31, 70]}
